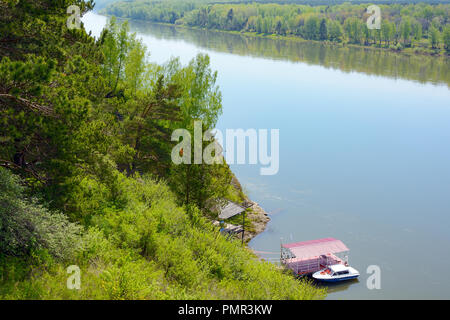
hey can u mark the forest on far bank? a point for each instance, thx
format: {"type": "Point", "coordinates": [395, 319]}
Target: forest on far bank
{"type": "Point", "coordinates": [419, 28]}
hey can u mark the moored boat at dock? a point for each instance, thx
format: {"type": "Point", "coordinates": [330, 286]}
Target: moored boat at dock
{"type": "Point", "coordinates": [336, 273]}
{"type": "Point", "coordinates": [315, 256]}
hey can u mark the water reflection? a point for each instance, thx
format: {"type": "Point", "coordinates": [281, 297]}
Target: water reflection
{"type": "Point", "coordinates": [348, 59]}
{"type": "Point", "coordinates": [334, 287]}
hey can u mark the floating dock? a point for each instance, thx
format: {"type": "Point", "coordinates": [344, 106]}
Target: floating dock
{"type": "Point", "coordinates": [307, 257]}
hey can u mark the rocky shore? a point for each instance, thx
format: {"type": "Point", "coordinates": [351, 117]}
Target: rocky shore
{"type": "Point", "coordinates": [255, 214]}
{"type": "Point", "coordinates": [259, 219]}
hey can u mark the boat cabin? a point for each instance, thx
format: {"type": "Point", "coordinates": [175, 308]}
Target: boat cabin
{"type": "Point", "coordinates": [338, 270]}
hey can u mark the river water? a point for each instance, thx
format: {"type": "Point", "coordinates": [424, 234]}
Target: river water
{"type": "Point", "coordinates": [364, 149]}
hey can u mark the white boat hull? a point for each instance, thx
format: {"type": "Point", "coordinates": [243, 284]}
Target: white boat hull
{"type": "Point", "coordinates": [330, 276]}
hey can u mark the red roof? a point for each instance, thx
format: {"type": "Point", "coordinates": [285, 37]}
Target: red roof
{"type": "Point", "coordinates": [314, 248]}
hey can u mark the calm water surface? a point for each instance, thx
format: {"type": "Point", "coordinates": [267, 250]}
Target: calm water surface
{"type": "Point", "coordinates": [364, 149]}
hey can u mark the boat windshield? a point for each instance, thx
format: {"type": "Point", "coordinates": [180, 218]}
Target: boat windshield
{"type": "Point", "coordinates": [340, 273]}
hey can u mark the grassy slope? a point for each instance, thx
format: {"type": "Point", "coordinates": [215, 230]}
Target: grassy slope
{"type": "Point", "coordinates": [141, 245]}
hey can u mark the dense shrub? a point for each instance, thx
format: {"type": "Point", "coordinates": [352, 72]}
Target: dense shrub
{"type": "Point", "coordinates": [25, 225]}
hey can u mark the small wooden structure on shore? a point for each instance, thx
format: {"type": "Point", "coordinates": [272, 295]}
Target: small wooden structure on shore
{"type": "Point", "coordinates": [228, 228]}
{"type": "Point", "coordinates": [230, 209]}
{"type": "Point", "coordinates": [307, 257]}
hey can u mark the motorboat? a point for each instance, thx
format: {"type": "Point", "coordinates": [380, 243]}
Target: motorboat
{"type": "Point", "coordinates": [335, 273]}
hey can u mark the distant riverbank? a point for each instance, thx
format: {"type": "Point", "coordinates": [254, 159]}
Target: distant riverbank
{"type": "Point", "coordinates": [405, 51]}
{"type": "Point", "coordinates": [417, 29]}
{"type": "Point", "coordinates": [331, 44]}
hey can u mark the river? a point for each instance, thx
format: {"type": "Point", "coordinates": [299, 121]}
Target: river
{"type": "Point", "coordinates": [364, 149]}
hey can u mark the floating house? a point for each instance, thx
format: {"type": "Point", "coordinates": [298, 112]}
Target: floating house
{"type": "Point", "coordinates": [307, 257]}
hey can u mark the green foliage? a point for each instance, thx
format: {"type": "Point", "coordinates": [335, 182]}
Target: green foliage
{"type": "Point", "coordinates": [190, 252]}
{"type": "Point", "coordinates": [434, 37]}
{"type": "Point", "coordinates": [446, 38]}
{"type": "Point", "coordinates": [338, 22]}
{"type": "Point", "coordinates": [116, 44]}
{"type": "Point", "coordinates": [86, 129]}
{"type": "Point", "coordinates": [27, 227]}
{"type": "Point", "coordinates": [148, 248]}
{"type": "Point", "coordinates": [50, 131]}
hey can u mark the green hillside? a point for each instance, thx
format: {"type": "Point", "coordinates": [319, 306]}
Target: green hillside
{"type": "Point", "coordinates": [86, 176]}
